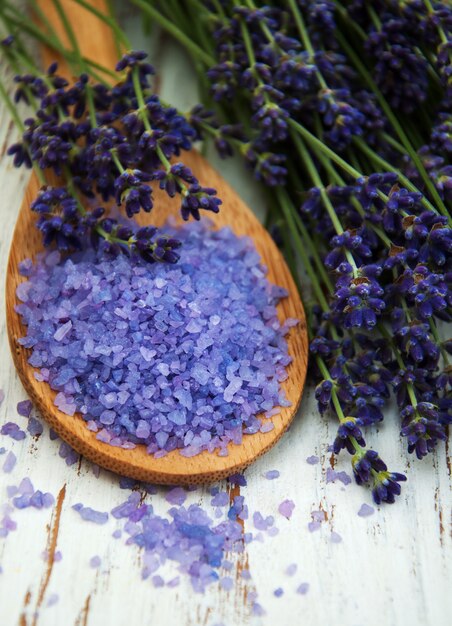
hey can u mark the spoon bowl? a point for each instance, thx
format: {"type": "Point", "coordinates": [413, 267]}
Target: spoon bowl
{"type": "Point", "coordinates": [137, 463]}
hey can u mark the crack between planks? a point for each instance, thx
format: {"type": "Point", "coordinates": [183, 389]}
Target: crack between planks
{"type": "Point", "coordinates": [51, 548]}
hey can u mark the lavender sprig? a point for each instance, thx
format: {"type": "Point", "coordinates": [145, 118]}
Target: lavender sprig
{"type": "Point", "coordinates": [373, 229]}
{"type": "Point", "coordinates": [107, 141]}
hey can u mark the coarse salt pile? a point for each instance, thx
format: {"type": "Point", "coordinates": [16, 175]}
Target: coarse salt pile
{"type": "Point", "coordinates": [182, 356]}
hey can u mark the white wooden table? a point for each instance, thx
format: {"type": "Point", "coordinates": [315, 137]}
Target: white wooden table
{"type": "Point", "coordinates": [393, 567]}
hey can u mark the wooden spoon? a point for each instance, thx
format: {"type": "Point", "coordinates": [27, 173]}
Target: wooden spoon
{"type": "Point", "coordinates": [96, 42]}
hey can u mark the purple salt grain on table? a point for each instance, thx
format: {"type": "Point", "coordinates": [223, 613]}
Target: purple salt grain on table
{"type": "Point", "coordinates": [90, 515]}
{"type": "Point", "coordinates": [177, 356]}
{"type": "Point", "coordinates": [53, 599]}
{"type": "Point", "coordinates": [24, 408]}
{"type": "Point", "coordinates": [291, 569]}
{"type": "Point", "coordinates": [237, 479]}
{"type": "Point", "coordinates": [220, 499]}
{"type": "Point", "coordinates": [226, 583]}
{"type": "Point", "coordinates": [13, 430]}
{"type": "Point", "coordinates": [271, 474]}
{"type": "Point", "coordinates": [332, 476]}
{"type": "Point", "coordinates": [68, 453]}
{"type": "Point", "coordinates": [35, 427]}
{"type": "Point", "coordinates": [286, 508]}
{"type": "Point", "coordinates": [335, 537]}
{"type": "Point", "coordinates": [312, 460]}
{"type": "Point", "coordinates": [95, 561]}
{"type": "Point", "coordinates": [178, 495]}
{"type": "Point", "coordinates": [278, 592]}
{"type": "Point", "coordinates": [9, 463]}
{"type": "Point", "coordinates": [2, 450]}
{"type": "Point", "coordinates": [366, 510]}
{"type": "Point", "coordinates": [303, 589]}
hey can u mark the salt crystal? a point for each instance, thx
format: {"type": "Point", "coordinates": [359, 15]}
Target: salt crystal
{"type": "Point", "coordinates": [335, 537]}
{"type": "Point", "coordinates": [278, 592]}
{"type": "Point", "coordinates": [95, 561]}
{"type": "Point", "coordinates": [90, 515]}
{"type": "Point", "coordinates": [303, 589]}
{"type": "Point", "coordinates": [9, 463]}
{"type": "Point", "coordinates": [24, 408]}
{"type": "Point", "coordinates": [312, 460]}
{"type": "Point", "coordinates": [271, 474]}
{"type": "Point", "coordinates": [291, 569]}
{"type": "Point", "coordinates": [366, 510]}
{"type": "Point", "coordinates": [286, 508]}
{"type": "Point", "coordinates": [62, 331]}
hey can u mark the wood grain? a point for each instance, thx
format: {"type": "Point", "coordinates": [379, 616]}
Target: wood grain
{"type": "Point", "coordinates": [136, 463]}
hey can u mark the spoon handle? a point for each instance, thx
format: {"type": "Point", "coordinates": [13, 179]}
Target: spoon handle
{"type": "Point", "coordinates": [93, 36]}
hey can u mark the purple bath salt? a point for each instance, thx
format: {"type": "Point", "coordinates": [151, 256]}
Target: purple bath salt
{"type": "Point", "coordinates": [286, 508]}
{"type": "Point", "coordinates": [13, 430]}
{"type": "Point", "coordinates": [95, 562]}
{"type": "Point", "coordinates": [178, 495]}
{"type": "Point", "coordinates": [312, 460]}
{"type": "Point", "coordinates": [90, 515]}
{"type": "Point", "coordinates": [291, 569]}
{"type": "Point", "coordinates": [237, 479]}
{"type": "Point", "coordinates": [366, 510]}
{"type": "Point", "coordinates": [226, 583]}
{"type": "Point", "coordinates": [313, 526]}
{"type": "Point", "coordinates": [303, 589]}
{"type": "Point", "coordinates": [184, 356]}
{"type": "Point", "coordinates": [271, 474]}
{"type": "Point", "coordinates": [53, 599]}
{"type": "Point", "coordinates": [9, 463]}
{"type": "Point", "coordinates": [332, 476]}
{"type": "Point", "coordinates": [278, 592]}
{"type": "Point", "coordinates": [2, 450]}
{"type": "Point", "coordinates": [220, 499]}
{"type": "Point", "coordinates": [68, 453]}
{"type": "Point", "coordinates": [24, 408]}
{"type": "Point", "coordinates": [35, 427]}
{"type": "Point", "coordinates": [335, 537]}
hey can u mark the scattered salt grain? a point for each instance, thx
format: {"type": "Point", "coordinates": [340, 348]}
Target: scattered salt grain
{"type": "Point", "coordinates": [366, 510]}
{"type": "Point", "coordinates": [303, 589]}
{"type": "Point", "coordinates": [286, 508]}
{"type": "Point", "coordinates": [24, 408]}
{"type": "Point", "coordinates": [278, 592]}
{"type": "Point", "coordinates": [291, 569]}
{"type": "Point", "coordinates": [95, 561]}
{"type": "Point", "coordinates": [53, 599]}
{"type": "Point", "coordinates": [9, 463]}
{"type": "Point", "coordinates": [68, 453]}
{"type": "Point", "coordinates": [178, 495]}
{"type": "Point", "coordinates": [335, 537]}
{"type": "Point", "coordinates": [226, 583]}
{"type": "Point", "coordinates": [11, 429]}
{"type": "Point", "coordinates": [35, 427]}
{"type": "Point", "coordinates": [332, 476]}
{"type": "Point", "coordinates": [237, 479]}
{"type": "Point", "coordinates": [271, 474]}
{"type": "Point", "coordinates": [90, 515]}
{"type": "Point", "coordinates": [312, 460]}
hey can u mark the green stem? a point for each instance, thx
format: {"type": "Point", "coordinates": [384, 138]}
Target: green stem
{"type": "Point", "coordinates": [175, 32]}
{"type": "Point", "coordinates": [394, 122]}
{"type": "Point", "coordinates": [305, 37]}
{"type": "Point", "coordinates": [285, 204]}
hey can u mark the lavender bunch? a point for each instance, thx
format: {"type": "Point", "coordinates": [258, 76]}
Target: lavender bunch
{"type": "Point", "coordinates": [103, 142]}
{"type": "Point", "coordinates": [344, 112]}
